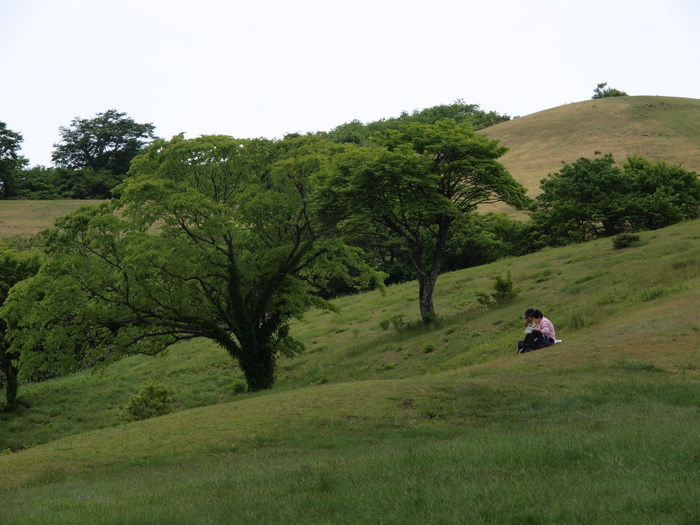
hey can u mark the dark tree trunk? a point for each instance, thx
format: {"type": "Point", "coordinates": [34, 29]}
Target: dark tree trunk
{"type": "Point", "coordinates": [258, 365]}
{"type": "Point", "coordinates": [426, 287]}
{"type": "Point", "coordinates": [256, 359]}
{"type": "Point", "coordinates": [11, 385]}
{"type": "Point", "coordinates": [427, 276]}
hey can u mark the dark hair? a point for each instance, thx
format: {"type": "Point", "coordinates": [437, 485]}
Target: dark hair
{"type": "Point", "coordinates": [528, 313]}
{"type": "Point", "coordinates": [537, 314]}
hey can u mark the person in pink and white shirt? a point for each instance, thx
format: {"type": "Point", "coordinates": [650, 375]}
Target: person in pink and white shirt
{"type": "Point", "coordinates": [539, 332]}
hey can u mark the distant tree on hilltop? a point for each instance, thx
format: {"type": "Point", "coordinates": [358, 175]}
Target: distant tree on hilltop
{"type": "Point", "coordinates": [10, 160]}
{"type": "Point", "coordinates": [603, 92]}
{"type": "Point", "coordinates": [107, 142]}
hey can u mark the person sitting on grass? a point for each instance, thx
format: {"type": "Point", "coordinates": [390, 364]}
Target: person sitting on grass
{"type": "Point", "coordinates": [539, 331]}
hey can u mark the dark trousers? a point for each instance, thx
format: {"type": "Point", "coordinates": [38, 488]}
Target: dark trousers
{"type": "Point", "coordinates": [534, 341]}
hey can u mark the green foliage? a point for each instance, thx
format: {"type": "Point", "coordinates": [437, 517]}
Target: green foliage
{"type": "Point", "coordinates": [109, 141]}
{"type": "Point", "coordinates": [601, 91]}
{"type": "Point", "coordinates": [10, 161]}
{"type": "Point", "coordinates": [624, 240]}
{"type": "Point", "coordinates": [153, 400]}
{"type": "Point", "coordinates": [15, 267]}
{"type": "Point", "coordinates": [64, 183]}
{"type": "Point", "coordinates": [504, 291]}
{"type": "Point", "coordinates": [409, 189]}
{"type": "Point", "coordinates": [591, 198]}
{"type": "Point", "coordinates": [480, 239]}
{"type": "Point", "coordinates": [356, 132]}
{"type": "Point", "coordinates": [398, 322]}
{"type": "Point", "coordinates": [211, 237]}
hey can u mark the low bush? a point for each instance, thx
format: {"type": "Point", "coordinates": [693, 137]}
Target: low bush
{"type": "Point", "coordinates": [624, 240]}
{"type": "Point", "coordinates": [154, 399]}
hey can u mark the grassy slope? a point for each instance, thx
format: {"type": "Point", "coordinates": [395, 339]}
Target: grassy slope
{"type": "Point", "coordinates": [657, 128]}
{"type": "Point", "coordinates": [26, 217]}
{"type": "Point", "coordinates": [369, 427]}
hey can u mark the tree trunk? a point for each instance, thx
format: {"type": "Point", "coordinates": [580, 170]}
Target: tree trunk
{"type": "Point", "coordinates": [11, 385]}
{"type": "Point", "coordinates": [258, 365]}
{"type": "Point", "coordinates": [426, 286]}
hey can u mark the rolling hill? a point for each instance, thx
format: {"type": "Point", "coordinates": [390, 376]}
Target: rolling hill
{"type": "Point", "coordinates": [657, 128]}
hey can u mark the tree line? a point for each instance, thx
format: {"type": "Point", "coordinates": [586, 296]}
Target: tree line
{"type": "Point", "coordinates": [231, 239]}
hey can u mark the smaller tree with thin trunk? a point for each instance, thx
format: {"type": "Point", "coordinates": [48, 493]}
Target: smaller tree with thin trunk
{"type": "Point", "coordinates": [410, 187]}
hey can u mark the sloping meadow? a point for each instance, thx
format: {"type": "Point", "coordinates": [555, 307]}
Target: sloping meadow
{"type": "Point", "coordinates": [383, 422]}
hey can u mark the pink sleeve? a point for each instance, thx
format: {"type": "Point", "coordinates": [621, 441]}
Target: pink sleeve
{"type": "Point", "coordinates": [547, 328]}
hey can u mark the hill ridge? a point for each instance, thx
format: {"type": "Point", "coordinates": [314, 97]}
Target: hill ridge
{"type": "Point", "coordinates": [655, 127]}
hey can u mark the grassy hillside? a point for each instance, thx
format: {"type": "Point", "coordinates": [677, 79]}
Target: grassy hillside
{"type": "Point", "coordinates": [657, 128]}
{"type": "Point", "coordinates": [26, 217]}
{"type": "Point", "coordinates": [445, 425]}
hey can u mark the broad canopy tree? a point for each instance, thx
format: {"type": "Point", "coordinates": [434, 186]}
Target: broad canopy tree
{"type": "Point", "coordinates": [211, 237]}
{"type": "Point", "coordinates": [411, 186]}
{"type": "Point", "coordinates": [109, 141]}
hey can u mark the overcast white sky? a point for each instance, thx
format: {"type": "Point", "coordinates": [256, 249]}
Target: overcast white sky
{"type": "Point", "coordinates": [263, 68]}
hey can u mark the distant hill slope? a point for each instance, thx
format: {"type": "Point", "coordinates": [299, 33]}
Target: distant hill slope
{"type": "Point", "coordinates": [27, 217]}
{"type": "Point", "coordinates": [657, 128]}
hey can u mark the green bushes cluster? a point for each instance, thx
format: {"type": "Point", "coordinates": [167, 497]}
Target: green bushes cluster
{"type": "Point", "coordinates": [624, 240]}
{"type": "Point", "coordinates": [153, 400]}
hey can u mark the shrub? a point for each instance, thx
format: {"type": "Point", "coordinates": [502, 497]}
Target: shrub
{"type": "Point", "coordinates": [153, 400]}
{"type": "Point", "coordinates": [624, 240]}
{"type": "Point", "coordinates": [504, 291]}
{"type": "Point", "coordinates": [240, 386]}
{"type": "Point", "coordinates": [398, 322]}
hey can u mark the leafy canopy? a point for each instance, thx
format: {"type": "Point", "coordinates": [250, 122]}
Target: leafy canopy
{"type": "Point", "coordinates": [10, 161]}
{"type": "Point", "coordinates": [212, 237]}
{"type": "Point", "coordinates": [590, 198]}
{"type": "Point", "coordinates": [15, 266]}
{"type": "Point", "coordinates": [409, 188]}
{"type": "Point", "coordinates": [109, 141]}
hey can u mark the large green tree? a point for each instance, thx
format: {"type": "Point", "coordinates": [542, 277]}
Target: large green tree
{"type": "Point", "coordinates": [10, 161]}
{"type": "Point", "coordinates": [109, 141]}
{"type": "Point", "coordinates": [15, 266]}
{"type": "Point", "coordinates": [211, 237]}
{"type": "Point", "coordinates": [412, 185]}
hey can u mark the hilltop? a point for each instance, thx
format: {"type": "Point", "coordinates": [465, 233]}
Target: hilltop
{"type": "Point", "coordinates": [658, 128]}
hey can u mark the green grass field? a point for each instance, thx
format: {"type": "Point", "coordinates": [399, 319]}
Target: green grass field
{"type": "Point", "coordinates": [439, 425]}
